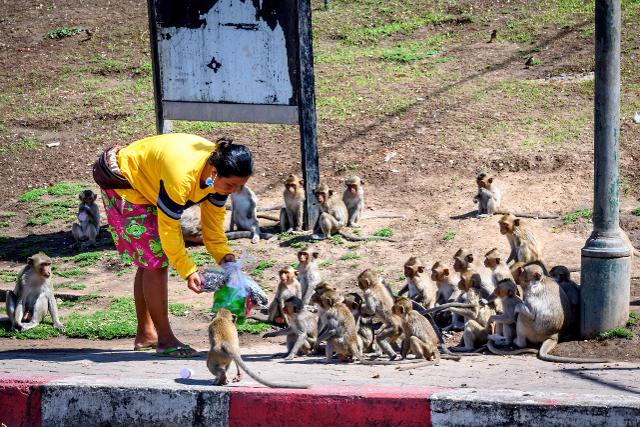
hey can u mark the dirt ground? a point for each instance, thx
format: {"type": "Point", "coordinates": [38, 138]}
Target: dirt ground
{"type": "Point", "coordinates": [418, 141]}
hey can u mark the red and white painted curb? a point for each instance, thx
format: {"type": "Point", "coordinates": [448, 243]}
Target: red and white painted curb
{"type": "Point", "coordinates": [68, 401]}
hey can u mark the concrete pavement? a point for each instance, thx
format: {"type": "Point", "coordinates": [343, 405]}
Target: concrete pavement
{"type": "Point", "coordinates": [121, 387]}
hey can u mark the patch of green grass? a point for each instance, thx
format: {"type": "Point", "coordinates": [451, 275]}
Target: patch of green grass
{"type": "Point", "coordinates": [74, 272]}
{"type": "Point", "coordinates": [383, 232]}
{"type": "Point", "coordinates": [354, 246]}
{"type": "Point", "coordinates": [198, 127]}
{"type": "Point", "coordinates": [617, 333]}
{"type": "Point", "coordinates": [201, 257]}
{"type": "Point", "coordinates": [258, 270]}
{"type": "Point", "coordinates": [8, 276]}
{"type": "Point", "coordinates": [636, 212]}
{"type": "Point", "coordinates": [402, 277]}
{"type": "Point", "coordinates": [63, 32]}
{"type": "Point", "coordinates": [179, 309]}
{"type": "Point", "coordinates": [634, 319]}
{"type": "Point", "coordinates": [53, 210]}
{"type": "Point", "coordinates": [575, 215]}
{"type": "Point", "coordinates": [325, 263]}
{"type": "Point", "coordinates": [4, 224]}
{"type": "Point", "coordinates": [373, 34]}
{"type": "Point", "coordinates": [3, 309]}
{"type": "Point", "coordinates": [407, 53]}
{"type": "Point", "coordinates": [67, 189]}
{"type": "Point", "coordinates": [32, 195]}
{"type": "Point", "coordinates": [336, 239]}
{"type": "Point", "coordinates": [286, 236]}
{"type": "Point", "coordinates": [449, 235]}
{"type": "Point", "coordinates": [298, 245]}
{"type": "Point", "coordinates": [253, 327]}
{"type": "Point", "coordinates": [349, 256]}
{"type": "Point", "coordinates": [43, 331]}
{"type": "Point", "coordinates": [118, 320]}
{"type": "Point", "coordinates": [72, 286]}
{"type": "Point", "coordinates": [87, 259]}
{"type": "Point", "coordinates": [354, 266]}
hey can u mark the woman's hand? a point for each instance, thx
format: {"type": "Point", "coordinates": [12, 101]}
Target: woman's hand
{"type": "Point", "coordinates": [228, 258]}
{"type": "Point", "coordinates": [194, 282]}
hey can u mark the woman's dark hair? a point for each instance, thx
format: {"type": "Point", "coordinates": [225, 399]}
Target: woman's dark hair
{"type": "Point", "coordinates": [231, 159]}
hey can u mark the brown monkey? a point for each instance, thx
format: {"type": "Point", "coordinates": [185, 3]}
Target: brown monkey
{"type": "Point", "coordinates": [494, 262]}
{"type": "Point", "coordinates": [476, 325]}
{"type": "Point", "coordinates": [302, 331]}
{"type": "Point", "coordinates": [447, 284]}
{"type": "Point", "coordinates": [419, 336]}
{"type": "Point", "coordinates": [288, 286]}
{"type": "Point", "coordinates": [225, 348]}
{"type": "Point", "coordinates": [378, 301]}
{"type": "Point", "coordinates": [464, 261]}
{"type": "Point", "coordinates": [494, 36]}
{"type": "Point", "coordinates": [562, 275]}
{"type": "Point", "coordinates": [308, 272]}
{"type": "Point", "coordinates": [505, 322]}
{"type": "Point", "coordinates": [420, 286]}
{"type": "Point", "coordinates": [542, 316]}
{"type": "Point", "coordinates": [88, 225]}
{"type": "Point", "coordinates": [334, 216]}
{"type": "Point", "coordinates": [32, 296]}
{"type": "Point", "coordinates": [525, 246]}
{"type": "Point", "coordinates": [340, 331]}
{"type": "Point", "coordinates": [353, 198]}
{"type": "Point", "coordinates": [364, 322]}
{"type": "Point", "coordinates": [316, 299]}
{"type": "Point", "coordinates": [291, 215]}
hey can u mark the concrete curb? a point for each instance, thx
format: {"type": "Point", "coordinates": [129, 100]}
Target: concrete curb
{"type": "Point", "coordinates": [53, 402]}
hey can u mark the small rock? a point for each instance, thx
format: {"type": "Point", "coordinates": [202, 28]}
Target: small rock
{"type": "Point", "coordinates": [636, 118]}
{"type": "Point", "coordinates": [53, 144]}
{"type": "Point", "coordinates": [375, 376]}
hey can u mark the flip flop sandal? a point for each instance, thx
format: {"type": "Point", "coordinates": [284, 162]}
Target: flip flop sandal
{"type": "Point", "coordinates": [147, 347]}
{"type": "Point", "coordinates": [168, 352]}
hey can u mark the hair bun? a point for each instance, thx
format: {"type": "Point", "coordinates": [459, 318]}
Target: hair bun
{"type": "Point", "coordinates": [223, 143]}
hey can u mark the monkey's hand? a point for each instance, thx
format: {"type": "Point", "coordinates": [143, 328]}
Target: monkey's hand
{"type": "Point", "coordinates": [59, 327]}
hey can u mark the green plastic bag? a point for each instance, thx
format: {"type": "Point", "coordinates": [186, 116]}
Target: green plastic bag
{"type": "Point", "coordinates": [233, 299]}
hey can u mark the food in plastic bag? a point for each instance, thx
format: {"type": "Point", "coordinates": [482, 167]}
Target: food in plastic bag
{"type": "Point", "coordinates": [238, 292]}
{"type": "Point", "coordinates": [213, 279]}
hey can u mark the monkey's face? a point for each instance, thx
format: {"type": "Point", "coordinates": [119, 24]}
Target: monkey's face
{"type": "Point", "coordinates": [291, 188]}
{"type": "Point", "coordinates": [286, 275]}
{"type": "Point", "coordinates": [459, 264]}
{"type": "Point", "coordinates": [364, 283]}
{"type": "Point", "coordinates": [506, 224]}
{"type": "Point", "coordinates": [321, 196]}
{"type": "Point", "coordinates": [491, 262]}
{"type": "Point", "coordinates": [303, 257]}
{"type": "Point", "coordinates": [42, 264]}
{"type": "Point", "coordinates": [353, 189]}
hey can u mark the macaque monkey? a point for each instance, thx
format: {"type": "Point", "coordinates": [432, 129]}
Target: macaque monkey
{"type": "Point", "coordinates": [419, 336]}
{"type": "Point", "coordinates": [244, 216]}
{"type": "Point", "coordinates": [463, 262]}
{"type": "Point", "coordinates": [489, 195]}
{"type": "Point", "coordinates": [378, 301]}
{"type": "Point", "coordinates": [288, 286]}
{"type": "Point", "coordinates": [308, 272]}
{"type": "Point", "coordinates": [340, 331]}
{"type": "Point", "coordinates": [524, 244]}
{"type": "Point", "coordinates": [562, 275]}
{"type": "Point", "coordinates": [354, 302]}
{"type": "Point", "coordinates": [494, 36]}
{"type": "Point", "coordinates": [505, 322]}
{"type": "Point", "coordinates": [302, 331]}
{"type": "Point", "coordinates": [88, 225]}
{"type": "Point", "coordinates": [447, 284]}
{"type": "Point", "coordinates": [542, 316]}
{"type": "Point", "coordinates": [334, 216]}
{"type": "Point", "coordinates": [494, 262]}
{"type": "Point", "coordinates": [353, 198]}
{"type": "Point", "coordinates": [32, 296]}
{"type": "Point", "coordinates": [316, 299]}
{"type": "Point", "coordinates": [420, 286]}
{"type": "Point", "coordinates": [225, 348]}
{"type": "Point", "coordinates": [476, 325]}
{"type": "Point", "coordinates": [291, 215]}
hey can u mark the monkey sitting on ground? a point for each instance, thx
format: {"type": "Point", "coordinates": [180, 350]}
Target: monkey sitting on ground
{"type": "Point", "coordinates": [32, 296]}
{"type": "Point", "coordinates": [308, 273]}
{"type": "Point", "coordinates": [244, 216]}
{"type": "Point", "coordinates": [364, 322]}
{"type": "Point", "coordinates": [464, 261]}
{"type": "Point", "coordinates": [340, 331]}
{"type": "Point", "coordinates": [499, 270]}
{"type": "Point", "coordinates": [542, 316]}
{"type": "Point", "coordinates": [88, 226]}
{"type": "Point", "coordinates": [334, 216]}
{"type": "Point", "coordinates": [225, 348]}
{"type": "Point", "coordinates": [505, 322]}
{"type": "Point", "coordinates": [562, 275]}
{"type": "Point", "coordinates": [302, 331]}
{"type": "Point", "coordinates": [525, 247]}
{"type": "Point", "coordinates": [291, 215]}
{"type": "Point", "coordinates": [288, 286]}
{"type": "Point", "coordinates": [447, 284]}
{"type": "Point", "coordinates": [353, 198]}
{"type": "Point", "coordinates": [420, 287]}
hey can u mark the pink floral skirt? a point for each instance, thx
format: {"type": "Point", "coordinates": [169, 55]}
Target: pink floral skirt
{"type": "Point", "coordinates": [134, 229]}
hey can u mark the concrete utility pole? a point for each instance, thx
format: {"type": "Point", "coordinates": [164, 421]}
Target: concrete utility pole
{"type": "Point", "coordinates": [606, 261]}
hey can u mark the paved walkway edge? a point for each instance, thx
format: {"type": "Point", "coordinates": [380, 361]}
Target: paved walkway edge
{"type": "Point", "coordinates": [56, 402]}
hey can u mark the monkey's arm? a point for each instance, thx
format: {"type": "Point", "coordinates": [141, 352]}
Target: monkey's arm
{"type": "Point", "coordinates": [466, 312]}
{"type": "Point", "coordinates": [212, 229]}
{"type": "Point", "coordinates": [300, 340]}
{"type": "Point", "coordinates": [53, 310]}
{"type": "Point", "coordinates": [523, 310]}
{"type": "Point", "coordinates": [404, 290]}
{"type": "Point", "coordinates": [501, 318]}
{"type": "Point", "coordinates": [281, 332]}
{"type": "Point", "coordinates": [17, 316]}
{"type": "Point", "coordinates": [327, 334]}
{"type": "Point", "coordinates": [299, 217]}
{"type": "Point", "coordinates": [94, 213]}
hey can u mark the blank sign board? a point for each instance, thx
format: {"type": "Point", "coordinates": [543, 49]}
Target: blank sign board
{"type": "Point", "coordinates": [227, 60]}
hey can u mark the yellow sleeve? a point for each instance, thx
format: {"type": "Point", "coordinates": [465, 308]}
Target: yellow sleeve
{"type": "Point", "coordinates": [173, 245]}
{"type": "Point", "coordinates": [215, 240]}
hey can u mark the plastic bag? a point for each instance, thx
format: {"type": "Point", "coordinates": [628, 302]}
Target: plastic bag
{"type": "Point", "coordinates": [238, 292]}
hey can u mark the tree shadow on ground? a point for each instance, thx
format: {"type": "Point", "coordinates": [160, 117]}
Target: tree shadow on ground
{"type": "Point", "coordinates": [590, 374]}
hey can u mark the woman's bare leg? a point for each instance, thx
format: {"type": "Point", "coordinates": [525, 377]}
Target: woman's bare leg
{"type": "Point", "coordinates": [146, 334]}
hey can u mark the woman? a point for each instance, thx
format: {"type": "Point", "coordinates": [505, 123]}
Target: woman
{"type": "Point", "coordinates": [168, 173]}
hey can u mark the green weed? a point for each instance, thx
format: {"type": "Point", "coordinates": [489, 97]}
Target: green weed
{"type": "Point", "coordinates": [349, 256]}
{"type": "Point", "coordinates": [634, 319]}
{"type": "Point", "coordinates": [63, 32]}
{"type": "Point", "coordinates": [72, 286]}
{"type": "Point", "coordinates": [179, 309]}
{"type": "Point", "coordinates": [8, 276]}
{"type": "Point", "coordinates": [575, 215]}
{"type": "Point", "coordinates": [118, 320]}
{"type": "Point", "coordinates": [375, 33]}
{"type": "Point", "coordinates": [336, 239]}
{"type": "Point", "coordinates": [354, 246]}
{"type": "Point", "coordinates": [74, 272]}
{"type": "Point", "coordinates": [201, 257]}
{"type": "Point", "coordinates": [298, 245]}
{"type": "Point", "coordinates": [636, 212]}
{"type": "Point", "coordinates": [617, 333]}
{"type": "Point", "coordinates": [4, 224]}
{"type": "Point", "coordinates": [253, 327]}
{"type": "Point", "coordinates": [43, 331]}
{"type": "Point", "coordinates": [383, 232]}
{"type": "Point", "coordinates": [258, 270]}
{"type": "Point", "coordinates": [87, 259]}
{"type": "Point", "coordinates": [325, 263]}
{"type": "Point", "coordinates": [449, 235]}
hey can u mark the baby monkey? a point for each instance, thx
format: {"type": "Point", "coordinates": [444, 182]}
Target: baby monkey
{"type": "Point", "coordinates": [505, 322]}
{"type": "Point", "coordinates": [87, 228]}
{"type": "Point", "coordinates": [225, 348]}
{"type": "Point", "coordinates": [302, 331]}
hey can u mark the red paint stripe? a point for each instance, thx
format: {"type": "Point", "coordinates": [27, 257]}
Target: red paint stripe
{"type": "Point", "coordinates": [20, 399]}
{"type": "Point", "coordinates": [343, 406]}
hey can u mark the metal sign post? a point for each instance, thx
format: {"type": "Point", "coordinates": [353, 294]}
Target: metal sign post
{"type": "Point", "coordinates": [229, 61]}
{"type": "Point", "coordinates": [606, 263]}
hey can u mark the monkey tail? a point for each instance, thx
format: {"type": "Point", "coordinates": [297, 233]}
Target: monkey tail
{"type": "Point", "coordinates": [500, 352]}
{"type": "Point", "coordinates": [270, 208]}
{"type": "Point", "coordinates": [527, 215]}
{"type": "Point", "coordinates": [236, 358]}
{"type": "Point", "coordinates": [355, 238]}
{"type": "Point", "coordinates": [269, 217]}
{"type": "Point", "coordinates": [447, 306]}
{"type": "Point", "coordinates": [550, 343]}
{"type": "Point", "coordinates": [421, 364]}
{"type": "Point", "coordinates": [383, 216]}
